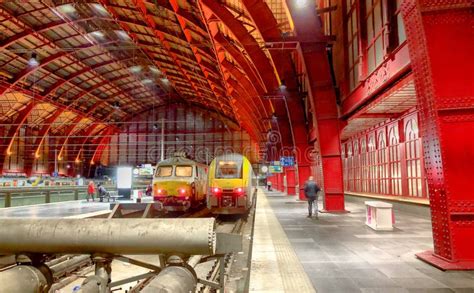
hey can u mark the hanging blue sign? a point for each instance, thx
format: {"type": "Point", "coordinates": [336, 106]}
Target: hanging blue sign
{"type": "Point", "coordinates": [287, 161]}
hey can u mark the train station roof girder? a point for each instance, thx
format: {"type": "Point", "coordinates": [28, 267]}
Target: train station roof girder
{"type": "Point", "coordinates": [104, 61]}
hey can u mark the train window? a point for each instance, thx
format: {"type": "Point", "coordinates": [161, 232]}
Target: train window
{"type": "Point", "coordinates": [184, 171]}
{"type": "Point", "coordinates": [229, 169]}
{"type": "Point", "coordinates": [164, 171]}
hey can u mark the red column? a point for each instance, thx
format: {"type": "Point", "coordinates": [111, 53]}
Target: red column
{"type": "Point", "coordinates": [281, 187]}
{"type": "Point", "coordinates": [290, 180]}
{"type": "Point", "coordinates": [441, 49]}
{"type": "Point", "coordinates": [277, 180]}
{"type": "Point", "coordinates": [323, 100]}
{"type": "Point", "coordinates": [304, 171]}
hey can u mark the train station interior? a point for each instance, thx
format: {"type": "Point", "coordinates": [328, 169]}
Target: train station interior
{"type": "Point", "coordinates": [236, 146]}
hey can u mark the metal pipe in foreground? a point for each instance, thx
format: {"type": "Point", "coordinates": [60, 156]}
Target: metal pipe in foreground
{"type": "Point", "coordinates": [68, 265]}
{"type": "Point", "coordinates": [21, 279]}
{"type": "Point", "coordinates": [178, 277]}
{"type": "Point", "coordinates": [174, 279]}
{"type": "Point", "coordinates": [111, 236]}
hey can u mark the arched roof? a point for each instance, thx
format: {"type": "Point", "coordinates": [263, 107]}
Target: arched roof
{"type": "Point", "coordinates": [101, 62]}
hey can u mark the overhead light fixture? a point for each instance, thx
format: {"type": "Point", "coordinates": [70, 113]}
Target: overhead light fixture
{"type": "Point", "coordinates": [302, 3]}
{"type": "Point", "coordinates": [122, 34]}
{"type": "Point", "coordinates": [155, 70]}
{"type": "Point", "coordinates": [33, 61]}
{"type": "Point", "coordinates": [97, 34]}
{"type": "Point", "coordinates": [66, 8]}
{"type": "Point", "coordinates": [155, 126]}
{"type": "Point", "coordinates": [100, 9]}
{"type": "Point", "coordinates": [116, 105]}
{"type": "Point", "coordinates": [165, 80]}
{"type": "Point", "coordinates": [147, 81]}
{"type": "Point", "coordinates": [283, 85]}
{"type": "Point", "coordinates": [136, 68]}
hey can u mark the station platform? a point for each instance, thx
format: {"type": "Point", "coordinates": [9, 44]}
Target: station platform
{"type": "Point", "coordinates": [339, 253]}
{"type": "Point", "coordinates": [67, 209]}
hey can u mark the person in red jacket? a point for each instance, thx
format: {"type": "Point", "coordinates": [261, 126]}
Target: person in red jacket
{"type": "Point", "coordinates": [90, 190]}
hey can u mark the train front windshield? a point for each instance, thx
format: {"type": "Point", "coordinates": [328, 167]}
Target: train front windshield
{"type": "Point", "coordinates": [229, 169]}
{"type": "Point", "coordinates": [164, 171]}
{"type": "Point", "coordinates": [184, 171]}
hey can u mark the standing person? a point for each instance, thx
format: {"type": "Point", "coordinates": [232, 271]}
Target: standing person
{"type": "Point", "coordinates": [148, 190]}
{"type": "Point", "coordinates": [102, 192]}
{"type": "Point", "coordinates": [269, 185]}
{"type": "Point", "coordinates": [90, 190]}
{"type": "Point", "coordinates": [311, 190]}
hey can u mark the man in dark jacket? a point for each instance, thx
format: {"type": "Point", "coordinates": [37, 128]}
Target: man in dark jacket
{"type": "Point", "coordinates": [311, 190]}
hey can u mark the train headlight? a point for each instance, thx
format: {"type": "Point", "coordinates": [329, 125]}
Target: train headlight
{"type": "Point", "coordinates": [182, 191]}
{"type": "Point", "coordinates": [160, 191]}
{"type": "Point", "coordinates": [216, 190]}
{"type": "Point", "coordinates": [239, 191]}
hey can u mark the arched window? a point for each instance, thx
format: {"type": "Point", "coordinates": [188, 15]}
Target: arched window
{"type": "Point", "coordinates": [364, 165]}
{"type": "Point", "coordinates": [394, 160]}
{"type": "Point", "coordinates": [383, 170]}
{"type": "Point", "coordinates": [413, 160]}
{"type": "Point", "coordinates": [372, 163]}
{"type": "Point", "coordinates": [356, 165]}
{"type": "Point", "coordinates": [345, 162]}
{"type": "Point", "coordinates": [350, 169]}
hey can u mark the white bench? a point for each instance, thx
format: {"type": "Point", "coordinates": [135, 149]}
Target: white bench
{"type": "Point", "coordinates": [114, 196]}
{"type": "Point", "coordinates": [379, 215]}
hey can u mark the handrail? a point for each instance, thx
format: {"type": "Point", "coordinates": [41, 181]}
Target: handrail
{"type": "Point", "coordinates": [44, 191]}
{"type": "Point", "coordinates": [44, 188]}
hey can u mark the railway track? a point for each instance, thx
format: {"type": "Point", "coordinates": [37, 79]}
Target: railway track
{"type": "Point", "coordinates": [69, 270]}
{"type": "Point", "coordinates": [225, 224]}
{"type": "Point", "coordinates": [72, 273]}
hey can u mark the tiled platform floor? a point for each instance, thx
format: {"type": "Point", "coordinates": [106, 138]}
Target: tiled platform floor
{"type": "Point", "coordinates": [340, 254]}
{"type": "Point", "coordinates": [275, 266]}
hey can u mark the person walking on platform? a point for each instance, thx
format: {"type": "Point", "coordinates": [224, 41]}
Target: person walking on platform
{"type": "Point", "coordinates": [90, 190]}
{"type": "Point", "coordinates": [311, 190]}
